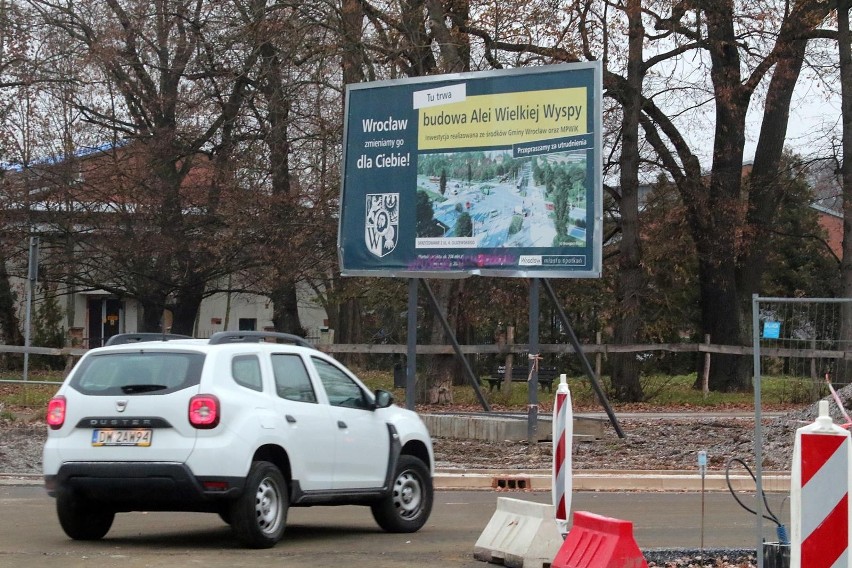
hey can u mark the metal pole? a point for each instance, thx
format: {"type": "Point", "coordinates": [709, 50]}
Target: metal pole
{"type": "Point", "coordinates": [32, 277]}
{"type": "Point", "coordinates": [702, 468]}
{"type": "Point", "coordinates": [575, 343]}
{"type": "Point", "coordinates": [411, 362]}
{"type": "Point", "coordinates": [758, 430]}
{"type": "Point", "coordinates": [532, 385]}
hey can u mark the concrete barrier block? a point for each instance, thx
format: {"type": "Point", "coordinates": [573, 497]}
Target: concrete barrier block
{"type": "Point", "coordinates": [498, 429]}
{"type": "Point", "coordinates": [520, 534]}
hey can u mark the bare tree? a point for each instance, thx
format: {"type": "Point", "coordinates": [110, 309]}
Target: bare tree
{"type": "Point", "coordinates": [162, 105]}
{"type": "Point", "coordinates": [631, 281]}
{"type": "Point", "coordinates": [844, 42]}
{"type": "Point", "coordinates": [718, 210]}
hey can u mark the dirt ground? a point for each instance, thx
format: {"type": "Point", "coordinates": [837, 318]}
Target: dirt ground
{"type": "Point", "coordinates": [652, 442]}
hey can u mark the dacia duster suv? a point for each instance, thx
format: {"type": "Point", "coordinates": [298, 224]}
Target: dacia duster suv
{"type": "Point", "coordinates": [239, 424]}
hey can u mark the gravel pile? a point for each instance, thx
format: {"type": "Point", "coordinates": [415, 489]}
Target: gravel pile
{"type": "Point", "coordinates": [687, 558]}
{"type": "Point", "coordinates": [653, 443]}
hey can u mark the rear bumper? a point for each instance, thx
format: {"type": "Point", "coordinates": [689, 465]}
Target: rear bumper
{"type": "Point", "coordinates": [143, 486]}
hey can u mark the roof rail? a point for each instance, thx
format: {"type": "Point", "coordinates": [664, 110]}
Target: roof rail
{"type": "Point", "coordinates": [257, 336]}
{"type": "Point", "coordinates": [125, 338]}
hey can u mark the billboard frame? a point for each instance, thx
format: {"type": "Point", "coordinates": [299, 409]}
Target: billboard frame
{"type": "Point", "coordinates": [386, 215]}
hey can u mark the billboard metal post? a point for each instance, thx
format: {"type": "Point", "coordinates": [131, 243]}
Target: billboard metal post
{"type": "Point", "coordinates": [587, 367]}
{"type": "Point", "coordinates": [411, 361]}
{"type": "Point", "coordinates": [444, 177]}
{"type": "Point", "coordinates": [532, 384]}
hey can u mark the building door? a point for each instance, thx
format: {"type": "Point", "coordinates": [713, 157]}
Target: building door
{"type": "Point", "coordinates": [105, 315]}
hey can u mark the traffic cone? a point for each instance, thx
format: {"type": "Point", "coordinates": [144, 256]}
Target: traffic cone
{"type": "Point", "coordinates": [819, 495]}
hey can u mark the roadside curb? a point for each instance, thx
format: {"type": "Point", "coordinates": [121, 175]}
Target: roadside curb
{"type": "Point", "coordinates": [584, 480]}
{"type": "Point", "coordinates": [608, 480]}
{"type": "Point", "coordinates": [21, 479]}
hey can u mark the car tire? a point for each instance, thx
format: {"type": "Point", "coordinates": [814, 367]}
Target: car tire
{"type": "Point", "coordinates": [82, 519]}
{"type": "Point", "coordinates": [408, 505]}
{"type": "Point", "coordinates": [259, 515]}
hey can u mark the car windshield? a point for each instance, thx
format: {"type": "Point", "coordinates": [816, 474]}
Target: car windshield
{"type": "Point", "coordinates": [140, 372]}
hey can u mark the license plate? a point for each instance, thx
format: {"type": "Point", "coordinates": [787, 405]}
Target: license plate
{"type": "Point", "coordinates": [116, 437]}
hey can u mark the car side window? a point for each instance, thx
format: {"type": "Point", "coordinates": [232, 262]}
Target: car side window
{"type": "Point", "coordinates": [291, 378]}
{"type": "Point", "coordinates": [340, 388]}
{"type": "Point", "coordinates": [246, 372]}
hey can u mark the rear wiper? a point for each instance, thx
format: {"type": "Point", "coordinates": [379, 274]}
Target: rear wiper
{"type": "Point", "coordinates": [133, 389]}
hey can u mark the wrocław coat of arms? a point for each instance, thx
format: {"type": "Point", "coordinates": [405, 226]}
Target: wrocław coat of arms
{"type": "Point", "coordinates": [381, 230]}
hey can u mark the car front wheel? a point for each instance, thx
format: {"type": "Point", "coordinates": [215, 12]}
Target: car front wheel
{"type": "Point", "coordinates": [259, 516]}
{"type": "Point", "coordinates": [408, 505]}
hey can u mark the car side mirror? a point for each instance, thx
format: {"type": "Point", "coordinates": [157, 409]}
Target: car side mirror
{"type": "Point", "coordinates": [383, 398]}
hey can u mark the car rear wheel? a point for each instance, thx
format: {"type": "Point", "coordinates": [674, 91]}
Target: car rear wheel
{"type": "Point", "coordinates": [82, 519]}
{"type": "Point", "coordinates": [408, 505]}
{"type": "Point", "coordinates": [259, 515]}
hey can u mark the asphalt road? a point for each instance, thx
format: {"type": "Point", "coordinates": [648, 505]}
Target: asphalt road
{"type": "Point", "coordinates": [347, 536]}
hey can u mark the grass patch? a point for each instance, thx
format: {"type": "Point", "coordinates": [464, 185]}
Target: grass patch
{"type": "Point", "coordinates": [660, 391]}
{"type": "Point", "coordinates": [19, 396]}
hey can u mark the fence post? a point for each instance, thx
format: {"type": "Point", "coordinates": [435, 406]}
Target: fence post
{"type": "Point", "coordinates": [816, 380]}
{"type": "Point", "coordinates": [506, 387]}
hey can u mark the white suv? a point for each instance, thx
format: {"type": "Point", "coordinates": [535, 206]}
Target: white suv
{"type": "Point", "coordinates": [235, 425]}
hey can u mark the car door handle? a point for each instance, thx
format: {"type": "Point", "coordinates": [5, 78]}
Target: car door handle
{"type": "Point", "coordinates": [341, 424]}
{"type": "Point", "coordinates": [290, 418]}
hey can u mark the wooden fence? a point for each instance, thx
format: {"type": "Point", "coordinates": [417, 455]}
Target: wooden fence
{"type": "Point", "coordinates": [72, 354]}
{"type": "Point", "coordinates": [517, 348]}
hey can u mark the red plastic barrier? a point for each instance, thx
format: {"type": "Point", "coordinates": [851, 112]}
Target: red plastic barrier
{"type": "Point", "coordinates": [595, 541]}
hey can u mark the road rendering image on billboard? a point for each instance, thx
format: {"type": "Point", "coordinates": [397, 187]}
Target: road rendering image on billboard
{"type": "Point", "coordinates": [494, 173]}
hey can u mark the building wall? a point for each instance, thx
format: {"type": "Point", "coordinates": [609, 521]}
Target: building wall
{"type": "Point", "coordinates": [223, 312]}
{"type": "Point", "coordinates": [832, 224]}
{"type": "Point", "coordinates": [214, 315]}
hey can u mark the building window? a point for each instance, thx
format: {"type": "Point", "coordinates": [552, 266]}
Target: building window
{"type": "Point", "coordinates": [248, 324]}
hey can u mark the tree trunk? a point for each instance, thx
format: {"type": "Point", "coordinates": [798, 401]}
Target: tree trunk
{"type": "Point", "coordinates": [843, 39]}
{"type": "Point", "coordinates": [152, 315]}
{"type": "Point", "coordinates": [765, 190]}
{"type": "Point", "coordinates": [9, 324]}
{"type": "Point", "coordinates": [441, 369]}
{"type": "Point", "coordinates": [721, 312]}
{"type": "Point", "coordinates": [349, 330]}
{"type": "Point", "coordinates": [285, 308]}
{"type": "Point", "coordinates": [352, 53]}
{"type": "Point", "coordinates": [631, 282]}
{"type": "Point", "coordinates": [185, 309]}
{"type": "Point", "coordinates": [728, 373]}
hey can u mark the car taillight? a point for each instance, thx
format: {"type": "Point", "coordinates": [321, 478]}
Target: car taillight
{"type": "Point", "coordinates": [204, 411]}
{"type": "Point", "coordinates": [56, 412]}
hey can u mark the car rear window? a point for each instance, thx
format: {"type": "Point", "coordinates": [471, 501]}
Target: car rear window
{"type": "Point", "coordinates": [141, 372]}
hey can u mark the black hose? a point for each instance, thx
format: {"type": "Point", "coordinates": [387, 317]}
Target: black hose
{"type": "Point", "coordinates": [771, 516]}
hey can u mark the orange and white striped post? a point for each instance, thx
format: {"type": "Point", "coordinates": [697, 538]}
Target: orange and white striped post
{"type": "Point", "coordinates": [819, 495]}
{"type": "Point", "coordinates": [563, 433]}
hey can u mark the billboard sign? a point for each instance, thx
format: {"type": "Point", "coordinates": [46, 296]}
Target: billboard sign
{"type": "Point", "coordinates": [495, 173]}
